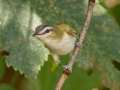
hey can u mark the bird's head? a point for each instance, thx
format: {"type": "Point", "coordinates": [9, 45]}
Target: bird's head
{"type": "Point", "coordinates": [59, 38]}
{"type": "Point", "coordinates": [53, 33]}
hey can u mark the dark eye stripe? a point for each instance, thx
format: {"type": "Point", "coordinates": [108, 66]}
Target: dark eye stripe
{"type": "Point", "coordinates": [42, 29]}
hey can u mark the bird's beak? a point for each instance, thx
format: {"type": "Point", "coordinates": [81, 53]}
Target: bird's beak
{"type": "Point", "coordinates": [34, 34]}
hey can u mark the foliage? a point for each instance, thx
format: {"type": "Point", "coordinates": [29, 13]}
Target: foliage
{"type": "Point", "coordinates": [16, 37]}
{"type": "Point", "coordinates": [18, 19]}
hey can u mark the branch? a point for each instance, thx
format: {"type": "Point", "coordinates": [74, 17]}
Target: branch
{"type": "Point", "coordinates": [79, 43]}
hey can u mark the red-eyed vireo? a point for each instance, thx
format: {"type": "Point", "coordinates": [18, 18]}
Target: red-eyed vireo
{"type": "Point", "coordinates": [59, 39]}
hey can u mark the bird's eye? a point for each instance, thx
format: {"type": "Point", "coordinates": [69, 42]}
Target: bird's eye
{"type": "Point", "coordinates": [47, 31]}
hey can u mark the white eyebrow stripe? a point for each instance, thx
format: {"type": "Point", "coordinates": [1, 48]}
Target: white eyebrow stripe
{"type": "Point", "coordinates": [48, 27]}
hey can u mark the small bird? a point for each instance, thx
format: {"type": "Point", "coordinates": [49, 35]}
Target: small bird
{"type": "Point", "coordinates": [59, 39]}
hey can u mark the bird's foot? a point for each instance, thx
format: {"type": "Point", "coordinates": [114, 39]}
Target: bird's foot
{"type": "Point", "coordinates": [67, 69]}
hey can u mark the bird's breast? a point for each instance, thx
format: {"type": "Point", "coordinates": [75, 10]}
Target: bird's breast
{"type": "Point", "coordinates": [63, 46]}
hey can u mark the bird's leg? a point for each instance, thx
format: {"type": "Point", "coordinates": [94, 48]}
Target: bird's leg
{"type": "Point", "coordinates": [56, 61]}
{"type": "Point", "coordinates": [68, 68]}
{"type": "Point", "coordinates": [55, 58]}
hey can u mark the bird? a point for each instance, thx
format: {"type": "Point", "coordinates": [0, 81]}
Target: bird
{"type": "Point", "coordinates": [59, 39]}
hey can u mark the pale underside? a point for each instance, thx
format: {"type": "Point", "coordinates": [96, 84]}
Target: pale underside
{"type": "Point", "coordinates": [60, 47]}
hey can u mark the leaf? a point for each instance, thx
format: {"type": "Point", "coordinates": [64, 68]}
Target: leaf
{"type": "Point", "coordinates": [27, 58]}
{"type": "Point", "coordinates": [27, 54]}
{"type": "Point", "coordinates": [102, 42]}
{"type": "Point", "coordinates": [6, 87]}
{"type": "Point", "coordinates": [102, 45]}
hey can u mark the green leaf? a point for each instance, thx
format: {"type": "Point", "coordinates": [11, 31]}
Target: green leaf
{"type": "Point", "coordinates": [2, 67]}
{"type": "Point", "coordinates": [27, 58]}
{"type": "Point", "coordinates": [102, 45]}
{"type": "Point", "coordinates": [6, 87]}
{"type": "Point", "coordinates": [27, 54]}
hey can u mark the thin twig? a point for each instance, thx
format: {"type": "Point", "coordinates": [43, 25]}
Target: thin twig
{"type": "Point", "coordinates": [79, 43]}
